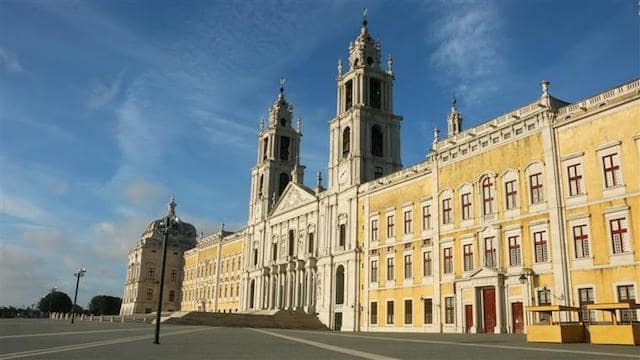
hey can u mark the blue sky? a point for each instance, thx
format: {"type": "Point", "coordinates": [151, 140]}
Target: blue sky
{"type": "Point", "coordinates": [108, 107]}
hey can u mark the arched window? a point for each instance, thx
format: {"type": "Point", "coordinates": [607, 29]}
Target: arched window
{"type": "Point", "coordinates": [265, 149]}
{"type": "Point", "coordinates": [260, 184]}
{"type": "Point", "coordinates": [291, 242]}
{"type": "Point", "coordinates": [284, 180]}
{"type": "Point", "coordinates": [488, 194]}
{"type": "Point", "coordinates": [340, 285]}
{"type": "Point", "coordinates": [377, 148]}
{"type": "Point", "coordinates": [346, 140]}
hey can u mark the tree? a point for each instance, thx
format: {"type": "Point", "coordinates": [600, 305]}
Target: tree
{"type": "Point", "coordinates": [105, 305]}
{"type": "Point", "coordinates": [59, 301]}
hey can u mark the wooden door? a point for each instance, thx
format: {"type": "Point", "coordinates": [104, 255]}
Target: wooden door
{"type": "Point", "coordinates": [489, 309]}
{"type": "Point", "coordinates": [468, 318]}
{"type": "Point", "coordinates": [338, 321]}
{"type": "Point", "coordinates": [517, 317]}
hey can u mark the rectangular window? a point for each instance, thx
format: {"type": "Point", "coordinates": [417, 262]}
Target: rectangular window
{"type": "Point", "coordinates": [389, 312]}
{"type": "Point", "coordinates": [375, 93]}
{"type": "Point", "coordinates": [374, 313]}
{"type": "Point", "coordinates": [449, 310]}
{"type": "Point", "coordinates": [374, 230]}
{"type": "Point", "coordinates": [173, 276]}
{"type": "Point", "coordinates": [511, 194]}
{"type": "Point", "coordinates": [390, 269]}
{"type": "Point", "coordinates": [575, 179]}
{"type": "Point", "coordinates": [310, 242]}
{"type": "Point", "coordinates": [611, 168]}
{"type": "Point", "coordinates": [274, 253]}
{"type": "Point", "coordinates": [172, 295]}
{"type": "Point", "coordinates": [535, 185]}
{"type": "Point", "coordinates": [343, 235]}
{"type": "Point", "coordinates": [407, 222]}
{"type": "Point", "coordinates": [581, 241]}
{"type": "Point", "coordinates": [149, 294]}
{"type": "Point", "coordinates": [390, 226]}
{"type": "Point", "coordinates": [446, 211]}
{"type": "Point", "coordinates": [408, 312]}
{"type": "Point", "coordinates": [586, 297]}
{"type": "Point", "coordinates": [490, 252]}
{"type": "Point", "coordinates": [284, 147]}
{"type": "Point", "coordinates": [348, 95]}
{"type": "Point", "coordinates": [374, 271]}
{"type": "Point", "coordinates": [467, 250]}
{"type": "Point", "coordinates": [540, 243]}
{"type": "Point", "coordinates": [426, 266]}
{"type": "Point", "coordinates": [426, 217]}
{"type": "Point", "coordinates": [448, 260]}
{"type": "Point", "coordinates": [619, 241]}
{"type": "Point", "coordinates": [428, 311]}
{"type": "Point", "coordinates": [626, 293]}
{"type": "Point", "coordinates": [151, 273]}
{"type": "Point", "coordinates": [487, 196]}
{"type": "Point", "coordinates": [544, 298]}
{"type": "Point", "coordinates": [407, 266]}
{"type": "Point", "coordinates": [514, 251]}
{"type": "Point", "coordinates": [466, 206]}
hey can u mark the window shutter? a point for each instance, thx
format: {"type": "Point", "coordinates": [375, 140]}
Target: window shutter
{"type": "Point", "coordinates": [618, 172]}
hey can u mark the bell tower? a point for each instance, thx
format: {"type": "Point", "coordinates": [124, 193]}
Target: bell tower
{"type": "Point", "coordinates": [365, 133]}
{"type": "Point", "coordinates": [278, 160]}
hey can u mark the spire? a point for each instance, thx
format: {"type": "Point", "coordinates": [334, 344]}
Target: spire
{"type": "Point", "coordinates": [171, 208]}
{"type": "Point", "coordinates": [318, 181]}
{"type": "Point", "coordinates": [364, 51]}
{"type": "Point", "coordinates": [389, 65]}
{"type": "Point", "coordinates": [282, 81]}
{"type": "Point", "coordinates": [364, 17]}
{"type": "Point", "coordinates": [298, 124]}
{"type": "Point", "coordinates": [339, 67]}
{"type": "Point", "coordinates": [454, 119]}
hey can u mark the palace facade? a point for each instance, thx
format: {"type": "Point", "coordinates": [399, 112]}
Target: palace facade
{"type": "Point", "coordinates": [537, 206]}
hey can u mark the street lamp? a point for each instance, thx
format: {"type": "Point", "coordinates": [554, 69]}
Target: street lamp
{"type": "Point", "coordinates": [53, 291]}
{"type": "Point", "coordinates": [78, 274]}
{"type": "Point", "coordinates": [166, 227]}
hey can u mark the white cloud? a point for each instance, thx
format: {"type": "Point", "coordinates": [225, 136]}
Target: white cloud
{"type": "Point", "coordinates": [112, 239]}
{"type": "Point", "coordinates": [102, 94]}
{"type": "Point", "coordinates": [21, 208]}
{"type": "Point", "coordinates": [10, 60]}
{"type": "Point", "coordinates": [145, 194]}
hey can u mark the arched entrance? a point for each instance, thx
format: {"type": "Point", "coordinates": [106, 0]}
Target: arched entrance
{"type": "Point", "coordinates": [252, 292]}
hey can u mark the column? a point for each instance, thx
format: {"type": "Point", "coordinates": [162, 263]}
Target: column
{"type": "Point", "coordinates": [309, 288]}
{"type": "Point", "coordinates": [296, 302]}
{"type": "Point", "coordinates": [287, 290]}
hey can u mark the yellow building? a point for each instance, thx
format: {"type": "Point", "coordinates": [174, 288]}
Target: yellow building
{"type": "Point", "coordinates": [535, 206]}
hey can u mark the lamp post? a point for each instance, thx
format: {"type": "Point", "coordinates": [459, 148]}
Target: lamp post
{"type": "Point", "coordinates": [168, 223]}
{"type": "Point", "coordinates": [78, 274]}
{"type": "Point", "coordinates": [53, 291]}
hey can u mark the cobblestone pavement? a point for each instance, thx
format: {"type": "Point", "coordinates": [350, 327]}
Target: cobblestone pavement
{"type": "Point", "coordinates": [57, 339]}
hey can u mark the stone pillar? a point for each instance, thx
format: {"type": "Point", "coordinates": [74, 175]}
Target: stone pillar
{"type": "Point", "coordinates": [287, 290]}
{"type": "Point", "coordinates": [278, 293]}
{"type": "Point", "coordinates": [296, 288]}
{"type": "Point", "coordinates": [309, 287]}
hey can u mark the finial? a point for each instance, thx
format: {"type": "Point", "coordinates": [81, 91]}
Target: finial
{"type": "Point", "coordinates": [222, 228]}
{"type": "Point", "coordinates": [545, 87]}
{"type": "Point", "coordinates": [298, 124]}
{"type": "Point", "coordinates": [364, 17]}
{"type": "Point", "coordinates": [389, 64]}
{"type": "Point", "coordinates": [436, 135]}
{"type": "Point", "coordinates": [282, 81]}
{"type": "Point", "coordinates": [339, 67]}
{"type": "Point", "coordinates": [453, 101]}
{"type": "Point", "coordinates": [273, 199]}
{"type": "Point", "coordinates": [171, 209]}
{"type": "Point", "coordinates": [319, 179]}
{"type": "Point", "coordinates": [261, 125]}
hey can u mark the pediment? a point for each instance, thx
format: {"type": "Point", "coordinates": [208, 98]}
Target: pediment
{"type": "Point", "coordinates": [293, 197]}
{"type": "Point", "coordinates": [483, 272]}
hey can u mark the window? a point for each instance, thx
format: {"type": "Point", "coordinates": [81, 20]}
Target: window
{"type": "Point", "coordinates": [540, 243]}
{"type": "Point", "coordinates": [310, 243]}
{"type": "Point", "coordinates": [291, 243]}
{"type": "Point", "coordinates": [408, 312]}
{"type": "Point", "coordinates": [511, 194]}
{"type": "Point", "coordinates": [449, 310]}
{"type": "Point", "coordinates": [466, 206]}
{"type": "Point", "coordinates": [343, 234]}
{"type": "Point", "coordinates": [274, 252]}
{"type": "Point", "coordinates": [173, 276]}
{"type": "Point", "coordinates": [535, 186]}
{"type": "Point", "coordinates": [284, 147]}
{"type": "Point", "coordinates": [514, 251]}
{"type": "Point", "coordinates": [374, 230]}
{"type": "Point", "coordinates": [346, 140]}
{"type": "Point", "coordinates": [390, 269]}
{"type": "Point", "coordinates": [619, 240]}
{"type": "Point", "coordinates": [544, 298]}
{"type": "Point", "coordinates": [340, 285]}
{"type": "Point", "coordinates": [389, 312]}
{"type": "Point", "coordinates": [448, 260]}
{"type": "Point", "coordinates": [407, 266]}
{"type": "Point", "coordinates": [426, 217]}
{"type": "Point", "coordinates": [377, 141]}
{"type": "Point", "coordinates": [348, 95]}
{"type": "Point", "coordinates": [446, 211]}
{"type": "Point", "coordinates": [585, 297]}
{"type": "Point", "coordinates": [389, 226]}
{"type": "Point", "coordinates": [575, 179]}
{"type": "Point", "coordinates": [373, 313]}
{"type": "Point", "coordinates": [265, 150]}
{"type": "Point", "coordinates": [426, 264]}
{"type": "Point", "coordinates": [375, 93]}
{"type": "Point", "coordinates": [284, 180]}
{"type": "Point", "coordinates": [374, 271]}
{"type": "Point", "coordinates": [151, 273]}
{"type": "Point", "coordinates": [581, 241]}
{"type": "Point", "coordinates": [149, 294]}
{"type": "Point", "coordinates": [487, 196]}
{"type": "Point", "coordinates": [626, 293]}
{"type": "Point", "coordinates": [490, 252]}
{"type": "Point", "coordinates": [428, 311]}
{"type": "Point", "coordinates": [611, 168]}
{"type": "Point", "coordinates": [467, 250]}
{"type": "Point", "coordinates": [379, 171]}
{"type": "Point", "coordinates": [407, 222]}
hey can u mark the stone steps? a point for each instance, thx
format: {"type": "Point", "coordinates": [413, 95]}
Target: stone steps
{"type": "Point", "coordinates": [282, 319]}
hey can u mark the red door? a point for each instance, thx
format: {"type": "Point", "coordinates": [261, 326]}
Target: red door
{"type": "Point", "coordinates": [468, 318]}
{"type": "Point", "coordinates": [518, 318]}
{"type": "Point", "coordinates": [489, 311]}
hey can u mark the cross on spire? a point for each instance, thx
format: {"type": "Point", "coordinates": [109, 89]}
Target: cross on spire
{"type": "Point", "coordinates": [364, 17]}
{"type": "Point", "coordinates": [282, 81]}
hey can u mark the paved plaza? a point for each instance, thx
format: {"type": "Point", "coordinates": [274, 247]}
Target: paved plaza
{"type": "Point", "coordinates": [57, 339]}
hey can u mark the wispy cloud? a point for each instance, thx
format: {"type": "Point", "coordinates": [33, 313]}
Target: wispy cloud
{"type": "Point", "coordinates": [468, 53]}
{"type": "Point", "coordinates": [10, 61]}
{"type": "Point", "coordinates": [103, 93]}
{"type": "Point", "coordinates": [21, 208]}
